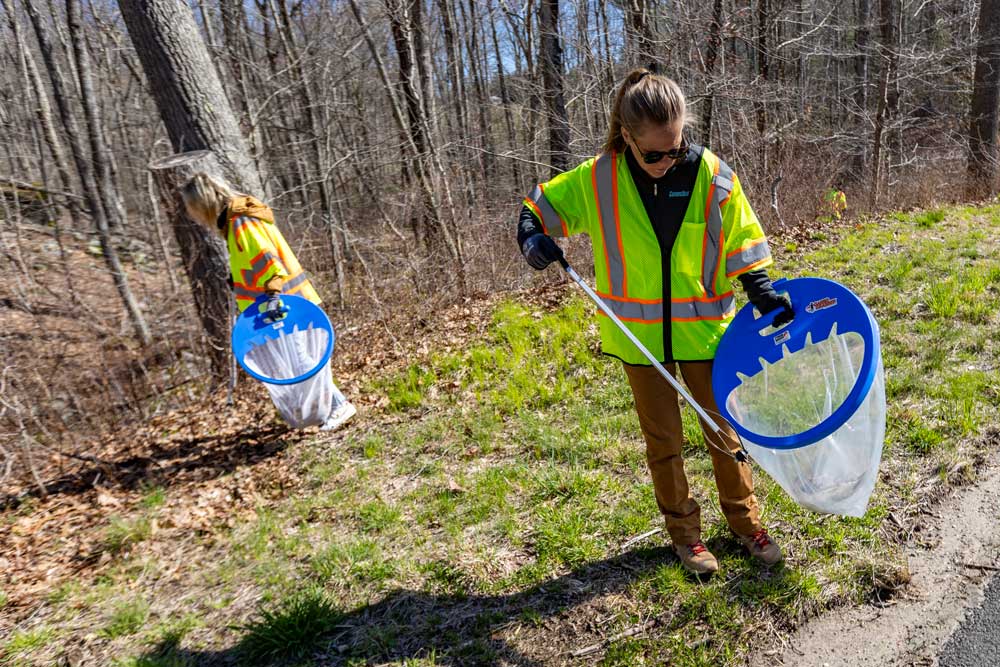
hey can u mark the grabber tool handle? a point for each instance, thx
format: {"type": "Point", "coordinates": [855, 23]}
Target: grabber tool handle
{"type": "Point", "coordinates": [738, 455]}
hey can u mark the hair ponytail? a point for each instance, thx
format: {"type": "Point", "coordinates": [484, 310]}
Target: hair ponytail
{"type": "Point", "coordinates": [643, 97]}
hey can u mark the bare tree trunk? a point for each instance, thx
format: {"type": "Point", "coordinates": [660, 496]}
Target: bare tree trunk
{"type": "Point", "coordinates": [984, 156]}
{"type": "Point", "coordinates": [861, 66]}
{"type": "Point", "coordinates": [424, 167]}
{"type": "Point", "coordinates": [313, 136]}
{"type": "Point", "coordinates": [205, 261]}
{"type": "Point", "coordinates": [763, 71]}
{"type": "Point", "coordinates": [711, 56]}
{"type": "Point", "coordinates": [886, 100]}
{"type": "Point", "coordinates": [183, 81]}
{"type": "Point", "coordinates": [197, 116]}
{"type": "Point", "coordinates": [638, 15]}
{"type": "Point", "coordinates": [552, 78]}
{"type": "Point", "coordinates": [504, 95]}
{"type": "Point", "coordinates": [452, 48]}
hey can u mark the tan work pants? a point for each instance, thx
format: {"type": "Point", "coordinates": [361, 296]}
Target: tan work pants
{"type": "Point", "coordinates": [660, 418]}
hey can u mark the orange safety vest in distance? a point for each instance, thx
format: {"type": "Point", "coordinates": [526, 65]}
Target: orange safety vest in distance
{"type": "Point", "coordinates": [258, 252]}
{"type": "Point", "coordinates": [719, 239]}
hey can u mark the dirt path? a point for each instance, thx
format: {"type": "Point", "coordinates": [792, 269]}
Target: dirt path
{"type": "Point", "coordinates": [912, 629]}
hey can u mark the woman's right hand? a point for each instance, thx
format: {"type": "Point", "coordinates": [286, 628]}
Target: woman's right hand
{"type": "Point", "coordinates": [540, 250]}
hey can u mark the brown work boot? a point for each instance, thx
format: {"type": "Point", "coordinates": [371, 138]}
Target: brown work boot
{"type": "Point", "coordinates": [762, 546]}
{"type": "Point", "coordinates": [696, 558]}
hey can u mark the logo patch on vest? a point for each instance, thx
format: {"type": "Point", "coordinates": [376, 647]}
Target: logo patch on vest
{"type": "Point", "coordinates": [782, 337]}
{"type": "Point", "coordinates": [679, 193]}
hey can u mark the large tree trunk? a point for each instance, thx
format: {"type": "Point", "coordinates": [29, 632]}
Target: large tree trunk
{"type": "Point", "coordinates": [552, 79]}
{"type": "Point", "coordinates": [205, 262]}
{"type": "Point", "coordinates": [183, 81]}
{"type": "Point", "coordinates": [984, 157]}
{"type": "Point", "coordinates": [711, 57]}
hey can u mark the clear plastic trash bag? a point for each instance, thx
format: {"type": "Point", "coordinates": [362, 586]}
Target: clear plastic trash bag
{"type": "Point", "coordinates": [836, 474]}
{"type": "Point", "coordinates": [305, 403]}
{"type": "Point", "coordinates": [291, 356]}
{"type": "Point", "coordinates": [808, 399]}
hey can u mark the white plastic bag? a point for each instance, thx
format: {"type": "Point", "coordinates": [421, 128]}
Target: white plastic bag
{"type": "Point", "coordinates": [306, 403]}
{"type": "Point", "coordinates": [836, 474]}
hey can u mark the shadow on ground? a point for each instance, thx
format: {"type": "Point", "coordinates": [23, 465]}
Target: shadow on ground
{"type": "Point", "coordinates": [203, 457]}
{"type": "Point", "coordinates": [460, 630]}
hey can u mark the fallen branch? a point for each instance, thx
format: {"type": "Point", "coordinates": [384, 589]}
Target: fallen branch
{"type": "Point", "coordinates": [977, 566]}
{"type": "Point", "coordinates": [34, 188]}
{"type": "Point", "coordinates": [631, 632]}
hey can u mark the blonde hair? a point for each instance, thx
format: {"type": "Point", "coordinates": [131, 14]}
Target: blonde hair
{"type": "Point", "coordinates": [643, 97]}
{"type": "Point", "coordinates": [206, 197]}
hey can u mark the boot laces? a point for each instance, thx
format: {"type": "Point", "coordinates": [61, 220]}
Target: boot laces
{"type": "Point", "coordinates": [761, 539]}
{"type": "Point", "coordinates": [696, 548]}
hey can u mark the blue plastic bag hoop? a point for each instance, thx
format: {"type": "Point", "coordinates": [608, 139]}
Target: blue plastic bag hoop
{"type": "Point", "coordinates": [251, 330]}
{"type": "Point", "coordinates": [818, 304]}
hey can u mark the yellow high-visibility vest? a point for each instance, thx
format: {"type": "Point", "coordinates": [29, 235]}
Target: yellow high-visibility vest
{"type": "Point", "coordinates": [719, 239]}
{"type": "Point", "coordinates": [258, 252]}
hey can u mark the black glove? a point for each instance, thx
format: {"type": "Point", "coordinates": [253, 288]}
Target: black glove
{"type": "Point", "coordinates": [773, 301]}
{"type": "Point", "coordinates": [540, 251]}
{"type": "Point", "coordinates": [274, 309]}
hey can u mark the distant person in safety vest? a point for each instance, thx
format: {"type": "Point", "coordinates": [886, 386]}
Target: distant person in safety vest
{"type": "Point", "coordinates": [670, 228]}
{"type": "Point", "coordinates": [260, 260]}
{"type": "Point", "coordinates": [834, 203]}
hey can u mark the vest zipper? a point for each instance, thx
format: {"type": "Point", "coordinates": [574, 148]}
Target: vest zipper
{"type": "Point", "coordinates": [654, 189]}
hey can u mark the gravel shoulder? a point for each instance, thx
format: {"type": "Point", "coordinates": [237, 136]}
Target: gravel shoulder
{"type": "Point", "coordinates": [946, 586]}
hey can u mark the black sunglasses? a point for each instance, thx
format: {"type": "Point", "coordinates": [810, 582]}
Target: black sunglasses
{"type": "Point", "coordinates": [653, 157]}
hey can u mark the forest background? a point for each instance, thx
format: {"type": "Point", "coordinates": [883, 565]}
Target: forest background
{"type": "Point", "coordinates": [394, 140]}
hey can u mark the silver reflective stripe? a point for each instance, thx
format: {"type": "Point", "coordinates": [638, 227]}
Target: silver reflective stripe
{"type": "Point", "coordinates": [294, 282]}
{"type": "Point", "coordinates": [604, 168]}
{"type": "Point", "coordinates": [239, 222]}
{"type": "Point", "coordinates": [713, 250]}
{"type": "Point", "coordinates": [551, 221]}
{"type": "Point", "coordinates": [243, 292]}
{"type": "Point", "coordinates": [703, 310]}
{"type": "Point", "coordinates": [747, 257]}
{"type": "Point", "coordinates": [259, 265]}
{"type": "Point", "coordinates": [632, 311]}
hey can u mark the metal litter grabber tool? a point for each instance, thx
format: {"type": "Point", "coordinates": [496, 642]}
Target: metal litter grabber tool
{"type": "Point", "coordinates": [740, 454]}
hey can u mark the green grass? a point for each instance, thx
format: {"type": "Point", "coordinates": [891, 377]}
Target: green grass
{"type": "Point", "coordinates": [491, 497]}
{"type": "Point", "coordinates": [121, 534]}
{"type": "Point", "coordinates": [288, 628]}
{"type": "Point", "coordinates": [127, 619]}
{"type": "Point", "coordinates": [24, 641]}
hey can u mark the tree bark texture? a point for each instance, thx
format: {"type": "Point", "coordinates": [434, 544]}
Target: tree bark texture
{"type": "Point", "coordinates": [984, 157]}
{"type": "Point", "coordinates": [184, 82]}
{"type": "Point", "coordinates": [552, 79]}
{"type": "Point", "coordinates": [205, 258]}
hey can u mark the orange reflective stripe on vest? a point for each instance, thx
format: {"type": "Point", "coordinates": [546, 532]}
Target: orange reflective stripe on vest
{"type": "Point", "coordinates": [552, 223]}
{"type": "Point", "coordinates": [746, 259]}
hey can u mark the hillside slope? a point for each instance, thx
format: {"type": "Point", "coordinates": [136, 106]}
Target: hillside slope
{"type": "Point", "coordinates": [490, 503]}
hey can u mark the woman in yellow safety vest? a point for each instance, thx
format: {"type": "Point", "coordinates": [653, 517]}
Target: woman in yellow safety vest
{"type": "Point", "coordinates": [260, 260]}
{"type": "Point", "coordinates": [670, 228]}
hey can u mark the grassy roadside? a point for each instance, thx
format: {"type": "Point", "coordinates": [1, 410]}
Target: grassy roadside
{"type": "Point", "coordinates": [485, 514]}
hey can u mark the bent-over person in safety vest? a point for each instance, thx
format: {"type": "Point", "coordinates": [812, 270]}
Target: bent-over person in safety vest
{"type": "Point", "coordinates": [260, 260]}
